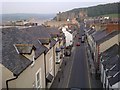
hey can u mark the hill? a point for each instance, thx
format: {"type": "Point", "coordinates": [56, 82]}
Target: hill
{"type": "Point", "coordinates": [110, 8]}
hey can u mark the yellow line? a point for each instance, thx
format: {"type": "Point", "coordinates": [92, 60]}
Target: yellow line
{"type": "Point", "coordinates": [88, 69]}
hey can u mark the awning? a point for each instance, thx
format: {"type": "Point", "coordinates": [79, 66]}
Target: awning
{"type": "Point", "coordinates": [58, 49]}
{"type": "Point", "coordinates": [49, 77]}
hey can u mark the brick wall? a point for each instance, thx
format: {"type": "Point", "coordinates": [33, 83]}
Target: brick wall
{"type": "Point", "coordinates": [112, 26]}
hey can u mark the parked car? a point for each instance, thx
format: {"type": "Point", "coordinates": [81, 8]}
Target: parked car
{"type": "Point", "coordinates": [79, 38]}
{"type": "Point", "coordinates": [78, 44]}
{"type": "Point", "coordinates": [82, 39]}
{"type": "Point", "coordinates": [68, 51]}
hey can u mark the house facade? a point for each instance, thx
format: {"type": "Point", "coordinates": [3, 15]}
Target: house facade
{"type": "Point", "coordinates": [68, 37]}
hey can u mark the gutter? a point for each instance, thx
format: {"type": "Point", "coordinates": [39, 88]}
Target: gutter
{"type": "Point", "coordinates": [7, 81]}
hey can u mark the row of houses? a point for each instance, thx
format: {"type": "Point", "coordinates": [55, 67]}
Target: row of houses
{"type": "Point", "coordinates": [104, 58]}
{"type": "Point", "coordinates": [31, 57]}
{"type": "Point", "coordinates": [26, 23]}
{"type": "Point", "coordinates": [110, 67]}
{"type": "Point", "coordinates": [102, 20]}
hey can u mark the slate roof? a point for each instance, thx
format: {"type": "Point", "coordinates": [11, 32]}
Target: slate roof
{"type": "Point", "coordinates": [53, 30]}
{"type": "Point", "coordinates": [114, 69]}
{"type": "Point", "coordinates": [111, 51]}
{"type": "Point", "coordinates": [15, 62]}
{"type": "Point", "coordinates": [36, 32]}
{"type": "Point", "coordinates": [53, 42]}
{"type": "Point", "coordinates": [39, 49]}
{"type": "Point", "coordinates": [114, 80]}
{"type": "Point", "coordinates": [44, 40]}
{"type": "Point", "coordinates": [110, 56]}
{"type": "Point", "coordinates": [111, 63]}
{"type": "Point", "coordinates": [90, 31]}
{"type": "Point", "coordinates": [101, 36]}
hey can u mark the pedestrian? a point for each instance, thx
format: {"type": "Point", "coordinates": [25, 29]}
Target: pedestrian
{"type": "Point", "coordinates": [65, 63]}
{"type": "Point", "coordinates": [90, 66]}
{"type": "Point", "coordinates": [59, 79]}
{"type": "Point", "coordinates": [91, 72]}
{"type": "Point", "coordinates": [62, 74]}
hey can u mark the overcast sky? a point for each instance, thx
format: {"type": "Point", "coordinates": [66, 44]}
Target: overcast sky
{"type": "Point", "coordinates": [46, 6]}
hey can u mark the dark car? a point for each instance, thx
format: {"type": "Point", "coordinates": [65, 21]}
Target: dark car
{"type": "Point", "coordinates": [67, 53]}
{"type": "Point", "coordinates": [78, 44]}
{"type": "Point", "coordinates": [79, 38]}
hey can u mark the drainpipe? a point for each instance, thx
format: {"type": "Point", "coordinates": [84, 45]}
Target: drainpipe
{"type": "Point", "coordinates": [54, 60]}
{"type": "Point", "coordinates": [98, 56]}
{"type": "Point", "coordinates": [45, 69]}
{"type": "Point", "coordinates": [7, 81]}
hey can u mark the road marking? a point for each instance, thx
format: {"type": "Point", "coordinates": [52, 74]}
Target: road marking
{"type": "Point", "coordinates": [71, 66]}
{"type": "Point", "coordinates": [88, 68]}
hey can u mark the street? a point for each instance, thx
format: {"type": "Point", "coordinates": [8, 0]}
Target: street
{"type": "Point", "coordinates": [79, 73]}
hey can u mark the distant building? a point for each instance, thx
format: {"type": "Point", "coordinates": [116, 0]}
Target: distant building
{"type": "Point", "coordinates": [68, 37]}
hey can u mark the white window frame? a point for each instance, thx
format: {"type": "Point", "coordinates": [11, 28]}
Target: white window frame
{"type": "Point", "coordinates": [33, 59]}
{"type": "Point", "coordinates": [57, 56]}
{"type": "Point", "coordinates": [51, 65]}
{"type": "Point", "coordinates": [36, 82]}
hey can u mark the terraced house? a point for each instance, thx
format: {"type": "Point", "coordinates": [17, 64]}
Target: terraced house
{"type": "Point", "coordinates": [28, 57]}
{"type": "Point", "coordinates": [101, 40]}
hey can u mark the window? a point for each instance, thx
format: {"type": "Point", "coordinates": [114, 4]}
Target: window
{"type": "Point", "coordinates": [51, 66]}
{"type": "Point", "coordinates": [33, 59]}
{"type": "Point", "coordinates": [38, 79]}
{"type": "Point", "coordinates": [57, 56]}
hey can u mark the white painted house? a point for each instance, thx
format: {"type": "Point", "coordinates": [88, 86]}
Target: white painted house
{"type": "Point", "coordinates": [68, 37]}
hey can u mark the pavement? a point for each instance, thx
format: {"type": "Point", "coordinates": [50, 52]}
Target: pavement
{"type": "Point", "coordinates": [79, 74]}
{"type": "Point", "coordinates": [95, 83]}
{"type": "Point", "coordinates": [61, 80]}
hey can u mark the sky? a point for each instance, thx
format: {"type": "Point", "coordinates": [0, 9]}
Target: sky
{"type": "Point", "coordinates": [46, 6]}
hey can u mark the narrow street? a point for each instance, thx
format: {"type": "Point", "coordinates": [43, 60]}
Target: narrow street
{"type": "Point", "coordinates": [79, 74]}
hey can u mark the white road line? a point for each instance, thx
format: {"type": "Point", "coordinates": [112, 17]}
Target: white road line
{"type": "Point", "coordinates": [71, 66]}
{"type": "Point", "coordinates": [88, 69]}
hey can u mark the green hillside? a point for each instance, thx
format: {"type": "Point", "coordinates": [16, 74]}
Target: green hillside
{"type": "Point", "coordinates": [105, 9]}
{"type": "Point", "coordinates": [112, 15]}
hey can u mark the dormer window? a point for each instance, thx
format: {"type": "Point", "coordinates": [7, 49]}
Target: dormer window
{"type": "Point", "coordinates": [24, 48]}
{"type": "Point", "coordinates": [54, 36]}
{"type": "Point", "coordinates": [27, 50]}
{"type": "Point", "coordinates": [44, 40]}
